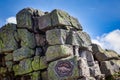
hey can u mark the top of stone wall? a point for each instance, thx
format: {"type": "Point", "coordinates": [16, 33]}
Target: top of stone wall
{"type": "Point", "coordinates": [31, 19]}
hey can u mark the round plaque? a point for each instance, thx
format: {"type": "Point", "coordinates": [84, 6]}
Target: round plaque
{"type": "Point", "coordinates": [64, 68]}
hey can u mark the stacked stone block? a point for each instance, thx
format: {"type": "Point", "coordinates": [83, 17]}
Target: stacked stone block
{"type": "Point", "coordinates": [109, 61]}
{"type": "Point", "coordinates": [52, 46]}
{"type": "Point", "coordinates": [67, 43]}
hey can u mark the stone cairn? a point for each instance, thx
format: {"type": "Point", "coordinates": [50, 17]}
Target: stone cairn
{"type": "Point", "coordinates": [52, 46]}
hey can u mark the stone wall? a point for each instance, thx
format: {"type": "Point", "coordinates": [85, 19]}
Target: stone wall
{"type": "Point", "coordinates": [52, 46]}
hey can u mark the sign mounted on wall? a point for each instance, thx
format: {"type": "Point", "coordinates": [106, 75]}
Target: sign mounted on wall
{"type": "Point", "coordinates": [64, 68]}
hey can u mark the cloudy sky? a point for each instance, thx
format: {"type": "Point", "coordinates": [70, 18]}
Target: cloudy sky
{"type": "Point", "coordinates": [99, 18]}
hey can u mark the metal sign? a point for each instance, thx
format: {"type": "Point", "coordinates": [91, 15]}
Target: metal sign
{"type": "Point", "coordinates": [64, 68]}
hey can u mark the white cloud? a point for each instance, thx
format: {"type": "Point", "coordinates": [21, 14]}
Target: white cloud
{"type": "Point", "coordinates": [109, 41]}
{"type": "Point", "coordinates": [11, 20]}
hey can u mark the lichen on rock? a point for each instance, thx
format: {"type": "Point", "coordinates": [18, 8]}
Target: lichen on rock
{"type": "Point", "coordinates": [52, 46]}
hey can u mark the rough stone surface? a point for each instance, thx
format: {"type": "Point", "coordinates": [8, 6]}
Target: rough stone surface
{"type": "Point", "coordinates": [103, 55]}
{"type": "Point", "coordinates": [44, 75]}
{"type": "Point", "coordinates": [38, 51]}
{"type": "Point", "coordinates": [106, 55]}
{"type": "Point", "coordinates": [36, 63]}
{"type": "Point", "coordinates": [40, 40]}
{"type": "Point", "coordinates": [35, 75]}
{"type": "Point", "coordinates": [39, 63]}
{"type": "Point", "coordinates": [43, 63]}
{"type": "Point", "coordinates": [58, 51]}
{"type": "Point", "coordinates": [86, 55]}
{"type": "Point", "coordinates": [23, 67]}
{"type": "Point", "coordinates": [56, 36]}
{"type": "Point", "coordinates": [84, 37]}
{"type": "Point", "coordinates": [84, 69]}
{"type": "Point", "coordinates": [3, 70]}
{"type": "Point", "coordinates": [27, 39]}
{"type": "Point", "coordinates": [79, 38]}
{"type": "Point", "coordinates": [52, 46]}
{"type": "Point", "coordinates": [95, 70]}
{"type": "Point", "coordinates": [7, 38]}
{"type": "Point", "coordinates": [58, 18]}
{"type": "Point", "coordinates": [9, 57]}
{"type": "Point", "coordinates": [9, 65]}
{"type": "Point", "coordinates": [25, 17]}
{"type": "Point", "coordinates": [44, 22]}
{"type": "Point", "coordinates": [73, 72]}
{"type": "Point", "coordinates": [110, 67]}
{"type": "Point", "coordinates": [22, 53]}
{"type": "Point", "coordinates": [87, 78]}
{"type": "Point", "coordinates": [96, 48]}
{"type": "Point", "coordinates": [62, 18]}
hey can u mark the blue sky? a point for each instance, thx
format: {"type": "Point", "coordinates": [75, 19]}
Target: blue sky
{"type": "Point", "coordinates": [96, 16]}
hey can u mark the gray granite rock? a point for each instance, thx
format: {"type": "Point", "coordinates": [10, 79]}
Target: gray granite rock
{"type": "Point", "coordinates": [40, 39]}
{"type": "Point", "coordinates": [23, 67]}
{"type": "Point", "coordinates": [62, 18]}
{"type": "Point", "coordinates": [22, 53]}
{"type": "Point", "coordinates": [79, 38]}
{"type": "Point", "coordinates": [110, 67]}
{"type": "Point", "coordinates": [7, 38]}
{"type": "Point", "coordinates": [58, 18]}
{"type": "Point", "coordinates": [56, 36]}
{"type": "Point", "coordinates": [27, 38]}
{"type": "Point", "coordinates": [39, 63]}
{"type": "Point", "coordinates": [58, 51]}
{"type": "Point", "coordinates": [84, 69]}
{"type": "Point", "coordinates": [9, 57]}
{"type": "Point", "coordinates": [25, 17]}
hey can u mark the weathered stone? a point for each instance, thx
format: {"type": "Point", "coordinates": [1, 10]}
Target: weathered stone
{"type": "Point", "coordinates": [57, 18]}
{"type": "Point", "coordinates": [84, 69]}
{"type": "Point", "coordinates": [58, 51]}
{"type": "Point", "coordinates": [39, 63]}
{"type": "Point", "coordinates": [44, 75]}
{"type": "Point", "coordinates": [27, 39]}
{"type": "Point", "coordinates": [40, 40]}
{"type": "Point", "coordinates": [25, 77]}
{"type": "Point", "coordinates": [38, 52]}
{"type": "Point", "coordinates": [38, 13]}
{"type": "Point", "coordinates": [95, 70]}
{"type": "Point", "coordinates": [9, 65]}
{"type": "Point", "coordinates": [35, 75]}
{"type": "Point", "coordinates": [110, 67]}
{"type": "Point", "coordinates": [7, 38]}
{"type": "Point", "coordinates": [23, 67]}
{"type": "Point", "coordinates": [9, 57]}
{"type": "Point", "coordinates": [52, 46]}
{"type": "Point", "coordinates": [96, 48]}
{"type": "Point", "coordinates": [56, 36]}
{"type": "Point", "coordinates": [62, 18]}
{"type": "Point", "coordinates": [3, 70]}
{"type": "Point", "coordinates": [44, 22]}
{"type": "Point", "coordinates": [87, 78]}
{"type": "Point", "coordinates": [106, 55]}
{"type": "Point", "coordinates": [36, 63]}
{"type": "Point", "coordinates": [63, 69]}
{"type": "Point", "coordinates": [22, 53]}
{"type": "Point", "coordinates": [25, 17]}
{"type": "Point", "coordinates": [85, 38]}
{"type": "Point", "coordinates": [79, 38]}
{"type": "Point", "coordinates": [103, 55]}
{"type": "Point", "coordinates": [75, 23]}
{"type": "Point", "coordinates": [43, 62]}
{"type": "Point", "coordinates": [88, 56]}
